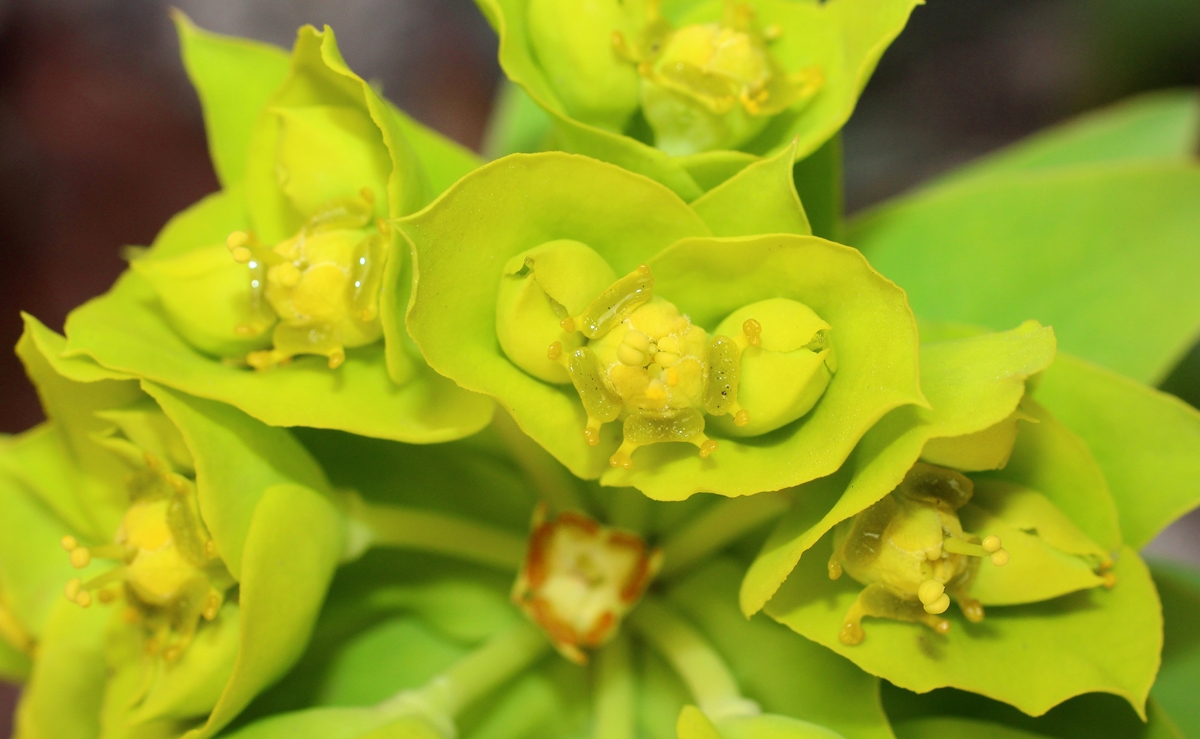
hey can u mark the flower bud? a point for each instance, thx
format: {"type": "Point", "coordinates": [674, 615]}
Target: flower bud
{"type": "Point", "coordinates": [572, 40]}
{"type": "Point", "coordinates": [538, 290]}
{"type": "Point", "coordinates": [784, 375]}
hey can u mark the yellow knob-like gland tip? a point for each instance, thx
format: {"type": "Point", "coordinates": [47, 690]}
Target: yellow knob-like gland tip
{"type": "Point", "coordinates": [384, 228]}
{"type": "Point", "coordinates": [851, 634]}
{"type": "Point", "coordinates": [84, 599]}
{"type": "Point", "coordinates": [643, 269]}
{"type": "Point", "coordinates": [80, 557]}
{"type": "Point", "coordinates": [237, 240]}
{"type": "Point", "coordinates": [241, 255]}
{"type": "Point", "coordinates": [211, 607]}
{"type": "Point", "coordinates": [591, 436]}
{"type": "Point", "coordinates": [931, 591]}
{"type": "Point", "coordinates": [622, 460]}
{"type": "Point", "coordinates": [1109, 580]}
{"type": "Point", "coordinates": [337, 358]}
{"type": "Point", "coordinates": [69, 542]}
{"type": "Point", "coordinates": [753, 331]}
{"type": "Point", "coordinates": [707, 448]}
{"type": "Point", "coordinates": [999, 557]}
{"type": "Point", "coordinates": [741, 418]}
{"type": "Point", "coordinates": [554, 352]}
{"type": "Point", "coordinates": [567, 324]}
{"type": "Point", "coordinates": [938, 606]}
{"type": "Point", "coordinates": [991, 543]}
{"type": "Point", "coordinates": [835, 569]}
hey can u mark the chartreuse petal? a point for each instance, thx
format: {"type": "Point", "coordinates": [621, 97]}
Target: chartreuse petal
{"type": "Point", "coordinates": [497, 212]}
{"type": "Point", "coordinates": [1084, 717]}
{"type": "Point", "coordinates": [761, 198]}
{"type": "Point", "coordinates": [1142, 439]}
{"type": "Point", "coordinates": [33, 568]}
{"type": "Point", "coordinates": [1111, 270]}
{"type": "Point", "coordinates": [873, 335]}
{"type": "Point", "coordinates": [63, 697]}
{"type": "Point", "coordinates": [234, 78]}
{"type": "Point", "coordinates": [845, 39]}
{"type": "Point", "coordinates": [971, 384]}
{"type": "Point", "coordinates": [1033, 656]}
{"type": "Point", "coordinates": [789, 677]}
{"type": "Point", "coordinates": [1175, 688]}
{"type": "Point", "coordinates": [1159, 125]}
{"type": "Point", "coordinates": [294, 529]}
{"type": "Point", "coordinates": [127, 330]}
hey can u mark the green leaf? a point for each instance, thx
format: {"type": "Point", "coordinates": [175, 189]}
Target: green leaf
{"type": "Point", "coordinates": [234, 78]}
{"type": "Point", "coordinates": [1179, 588]}
{"type": "Point", "coordinates": [1032, 657]}
{"type": "Point", "coordinates": [321, 723]}
{"type": "Point", "coordinates": [1160, 125]}
{"type": "Point", "coordinates": [873, 335]}
{"type": "Point", "coordinates": [127, 331]}
{"type": "Point", "coordinates": [63, 697]}
{"type": "Point", "coordinates": [237, 460]}
{"type": "Point", "coordinates": [785, 675]}
{"type": "Point", "coordinates": [1143, 440]}
{"type": "Point", "coordinates": [443, 160]}
{"type": "Point", "coordinates": [40, 460]}
{"type": "Point", "coordinates": [759, 199]}
{"type": "Point", "coordinates": [945, 727]}
{"type": "Point", "coordinates": [1104, 253]}
{"type": "Point", "coordinates": [971, 384]}
{"type": "Point", "coordinates": [711, 168]}
{"type": "Point", "coordinates": [294, 530]}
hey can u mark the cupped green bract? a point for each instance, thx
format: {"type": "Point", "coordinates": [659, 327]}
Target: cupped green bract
{"type": "Point", "coordinates": [292, 141]}
{"type": "Point", "coordinates": [839, 43]}
{"type": "Point", "coordinates": [262, 498]}
{"type": "Point", "coordinates": [464, 242]}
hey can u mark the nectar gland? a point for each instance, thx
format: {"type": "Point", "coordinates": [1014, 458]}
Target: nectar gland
{"type": "Point", "coordinates": [911, 552]}
{"type": "Point", "coordinates": [167, 567]}
{"type": "Point", "coordinates": [580, 579]}
{"type": "Point", "coordinates": [321, 288]}
{"type": "Point", "coordinates": [646, 364]}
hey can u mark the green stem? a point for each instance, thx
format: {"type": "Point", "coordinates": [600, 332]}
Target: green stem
{"type": "Point", "coordinates": [695, 661]}
{"type": "Point", "coordinates": [409, 528]}
{"type": "Point", "coordinates": [718, 527]}
{"type": "Point", "coordinates": [550, 479]}
{"type": "Point", "coordinates": [614, 692]}
{"type": "Point", "coordinates": [474, 676]}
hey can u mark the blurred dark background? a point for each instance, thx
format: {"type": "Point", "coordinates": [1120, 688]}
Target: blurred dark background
{"type": "Point", "coordinates": [101, 138]}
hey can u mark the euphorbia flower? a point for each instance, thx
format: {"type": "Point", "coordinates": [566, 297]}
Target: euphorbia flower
{"type": "Point", "coordinates": [222, 535]}
{"type": "Point", "coordinates": [770, 354]}
{"type": "Point", "coordinates": [279, 294]}
{"type": "Point", "coordinates": [1025, 486]}
{"type": "Point", "coordinates": [690, 92]}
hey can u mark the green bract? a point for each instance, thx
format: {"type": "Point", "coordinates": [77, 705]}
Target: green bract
{"type": "Point", "coordinates": [294, 257]}
{"type": "Point", "coordinates": [515, 297]}
{"type": "Point", "coordinates": [224, 539]}
{"type": "Point", "coordinates": [1045, 498]}
{"type": "Point", "coordinates": [690, 91]}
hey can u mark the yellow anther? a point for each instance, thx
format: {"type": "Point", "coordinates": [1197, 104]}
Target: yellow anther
{"type": "Point", "coordinates": [241, 255]}
{"type": "Point", "coordinates": [741, 418]}
{"type": "Point", "coordinates": [753, 331]}
{"type": "Point", "coordinates": [84, 599]}
{"type": "Point", "coordinates": [337, 357]}
{"type": "Point", "coordinates": [237, 240]}
{"type": "Point", "coordinates": [931, 591]}
{"type": "Point", "coordinates": [107, 596]}
{"type": "Point", "coordinates": [938, 606]}
{"type": "Point", "coordinates": [671, 376]}
{"type": "Point", "coordinates": [554, 351]}
{"type": "Point", "coordinates": [707, 448]}
{"type": "Point", "coordinates": [999, 557]}
{"type": "Point", "coordinates": [69, 542]}
{"type": "Point", "coordinates": [80, 558]}
{"type": "Point", "coordinates": [1109, 580]}
{"type": "Point", "coordinates": [991, 543]}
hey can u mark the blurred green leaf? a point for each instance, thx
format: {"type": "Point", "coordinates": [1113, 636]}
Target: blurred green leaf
{"type": "Point", "coordinates": [1105, 254]}
{"type": "Point", "coordinates": [945, 727]}
{"type": "Point", "coordinates": [517, 124]}
{"type": "Point", "coordinates": [1175, 689]}
{"type": "Point", "coordinates": [1143, 440]}
{"type": "Point", "coordinates": [1032, 657]}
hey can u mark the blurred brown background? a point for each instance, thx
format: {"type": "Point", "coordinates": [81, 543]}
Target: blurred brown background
{"type": "Point", "coordinates": [101, 138]}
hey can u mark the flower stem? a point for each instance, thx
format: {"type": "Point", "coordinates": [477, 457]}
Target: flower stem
{"type": "Point", "coordinates": [497, 662]}
{"type": "Point", "coordinates": [614, 699]}
{"type": "Point", "coordinates": [409, 528]}
{"type": "Point", "coordinates": [550, 479]}
{"type": "Point", "coordinates": [695, 661]}
{"type": "Point", "coordinates": [718, 527]}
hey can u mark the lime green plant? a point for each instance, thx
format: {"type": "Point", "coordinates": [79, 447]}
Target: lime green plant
{"type": "Point", "coordinates": [279, 294]}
